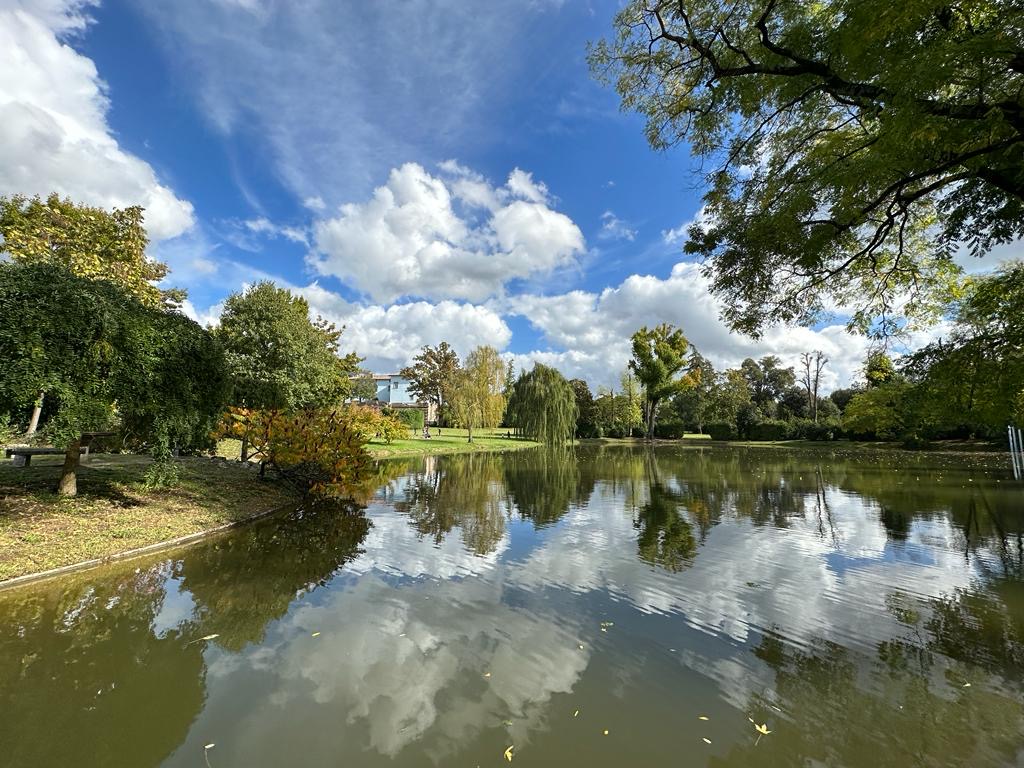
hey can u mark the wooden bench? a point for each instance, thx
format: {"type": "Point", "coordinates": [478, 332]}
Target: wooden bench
{"type": "Point", "coordinates": [27, 453]}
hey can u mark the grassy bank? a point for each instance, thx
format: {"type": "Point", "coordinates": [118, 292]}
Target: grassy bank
{"type": "Point", "coordinates": [114, 512]}
{"type": "Point", "coordinates": [449, 441]}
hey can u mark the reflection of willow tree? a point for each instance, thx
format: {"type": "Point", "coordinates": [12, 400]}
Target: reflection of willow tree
{"type": "Point", "coordinates": [464, 490]}
{"type": "Point", "coordinates": [543, 483]}
{"type": "Point", "coordinates": [841, 711]}
{"type": "Point", "coordinates": [246, 580]}
{"type": "Point", "coordinates": [665, 536]}
{"type": "Point", "coordinates": [84, 681]}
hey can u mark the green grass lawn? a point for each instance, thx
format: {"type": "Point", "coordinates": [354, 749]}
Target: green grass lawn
{"type": "Point", "coordinates": [449, 441]}
{"type": "Point", "coordinates": [113, 512]}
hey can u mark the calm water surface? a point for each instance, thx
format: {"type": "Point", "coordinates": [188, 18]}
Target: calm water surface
{"type": "Point", "coordinates": [868, 609]}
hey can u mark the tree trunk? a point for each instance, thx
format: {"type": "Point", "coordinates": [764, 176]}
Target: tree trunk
{"type": "Point", "coordinates": [469, 428]}
{"type": "Point", "coordinates": [37, 410]}
{"type": "Point", "coordinates": [68, 485]}
{"type": "Point", "coordinates": [245, 444]}
{"type": "Point", "coordinates": [651, 408]}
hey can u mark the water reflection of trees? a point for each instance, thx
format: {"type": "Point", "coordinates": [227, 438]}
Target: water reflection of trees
{"type": "Point", "coordinates": [892, 710]}
{"type": "Point", "coordinates": [543, 484]}
{"type": "Point", "coordinates": [464, 491]}
{"type": "Point", "coordinates": [244, 581]}
{"type": "Point", "coordinates": [85, 681]}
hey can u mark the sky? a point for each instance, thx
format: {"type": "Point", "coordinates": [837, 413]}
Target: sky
{"type": "Point", "coordinates": [418, 170]}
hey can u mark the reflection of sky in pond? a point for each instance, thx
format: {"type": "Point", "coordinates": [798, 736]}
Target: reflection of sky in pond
{"type": "Point", "coordinates": [441, 636]}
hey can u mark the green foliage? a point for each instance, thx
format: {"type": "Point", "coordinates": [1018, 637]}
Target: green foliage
{"type": "Point", "coordinates": [8, 432]}
{"type": "Point", "coordinates": [879, 369]}
{"type": "Point", "coordinates": [879, 412]}
{"type": "Point", "coordinates": [363, 388]}
{"type": "Point", "coordinates": [88, 242]}
{"type": "Point", "coordinates": [773, 429]}
{"type": "Point", "coordinates": [854, 144]}
{"type": "Point", "coordinates": [586, 410]}
{"type": "Point", "coordinates": [670, 430]}
{"type": "Point", "coordinates": [659, 355]}
{"type": "Point", "coordinates": [101, 355]}
{"type": "Point", "coordinates": [808, 429]}
{"type": "Point", "coordinates": [841, 397]}
{"type": "Point", "coordinates": [767, 380]}
{"type": "Point", "coordinates": [432, 375]}
{"type": "Point", "coordinates": [412, 418]}
{"type": "Point", "coordinates": [278, 358]}
{"type": "Point", "coordinates": [164, 472]}
{"type": "Point", "coordinates": [970, 381]}
{"type": "Point", "coordinates": [543, 406]}
{"type": "Point", "coordinates": [721, 430]}
{"type": "Point", "coordinates": [477, 395]}
{"type": "Point", "coordinates": [692, 405]}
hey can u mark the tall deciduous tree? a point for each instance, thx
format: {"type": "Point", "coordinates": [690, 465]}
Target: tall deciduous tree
{"type": "Point", "coordinates": [659, 356]}
{"type": "Point", "coordinates": [89, 242]}
{"type": "Point", "coordinates": [432, 375]}
{"type": "Point", "coordinates": [586, 409]}
{"type": "Point", "coordinates": [477, 396]}
{"type": "Point", "coordinates": [103, 355]}
{"type": "Point", "coordinates": [543, 406]}
{"type": "Point", "coordinates": [767, 380]}
{"type": "Point", "coordinates": [278, 357]}
{"type": "Point", "coordinates": [854, 146]}
{"type": "Point", "coordinates": [812, 363]}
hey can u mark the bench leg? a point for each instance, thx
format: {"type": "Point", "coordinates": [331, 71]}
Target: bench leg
{"type": "Point", "coordinates": [28, 460]}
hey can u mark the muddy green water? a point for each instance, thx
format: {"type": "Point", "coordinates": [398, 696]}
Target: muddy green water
{"type": "Point", "coordinates": [868, 609]}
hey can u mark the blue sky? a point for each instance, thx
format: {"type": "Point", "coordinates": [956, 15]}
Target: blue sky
{"type": "Point", "coordinates": [419, 170]}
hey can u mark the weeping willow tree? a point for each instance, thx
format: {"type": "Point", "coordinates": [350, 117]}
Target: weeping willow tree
{"type": "Point", "coordinates": [543, 406]}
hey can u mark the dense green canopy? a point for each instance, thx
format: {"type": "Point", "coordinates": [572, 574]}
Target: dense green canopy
{"type": "Point", "coordinates": [103, 355]}
{"type": "Point", "coordinates": [851, 145]}
{"type": "Point", "coordinates": [277, 356]}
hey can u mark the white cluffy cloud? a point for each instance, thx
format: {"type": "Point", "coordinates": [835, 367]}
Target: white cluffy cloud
{"type": "Point", "coordinates": [54, 135]}
{"type": "Point", "coordinates": [450, 237]}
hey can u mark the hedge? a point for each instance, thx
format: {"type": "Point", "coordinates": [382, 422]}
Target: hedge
{"type": "Point", "coordinates": [670, 430]}
{"type": "Point", "coordinates": [721, 430]}
{"type": "Point", "coordinates": [411, 417]}
{"type": "Point", "coordinates": [770, 430]}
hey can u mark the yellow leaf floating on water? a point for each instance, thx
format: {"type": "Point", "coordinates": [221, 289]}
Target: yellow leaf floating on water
{"type": "Point", "coordinates": [210, 637]}
{"type": "Point", "coordinates": [605, 731]}
{"type": "Point", "coordinates": [762, 729]}
{"type": "Point", "coordinates": [316, 634]}
{"type": "Point", "coordinates": [703, 717]}
{"type": "Point", "coordinates": [508, 753]}
{"type": "Point", "coordinates": [967, 685]}
{"type": "Point", "coordinates": [576, 713]}
{"type": "Point", "coordinates": [211, 745]}
{"type": "Point", "coordinates": [487, 674]}
{"type": "Point", "coordinates": [706, 741]}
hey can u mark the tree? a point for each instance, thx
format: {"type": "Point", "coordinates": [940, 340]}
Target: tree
{"type": "Point", "coordinates": [692, 404]}
{"type": "Point", "coordinates": [878, 412]}
{"type": "Point", "coordinates": [630, 413]}
{"type": "Point", "coordinates": [432, 375]}
{"type": "Point", "coordinates": [87, 241]}
{"type": "Point", "coordinates": [767, 380]}
{"type": "Point", "coordinates": [878, 369]}
{"type": "Point", "coordinates": [364, 388]}
{"type": "Point", "coordinates": [813, 363]}
{"type": "Point", "coordinates": [970, 381]}
{"type": "Point", "coordinates": [853, 148]}
{"type": "Point", "coordinates": [543, 406]}
{"type": "Point", "coordinates": [103, 355]}
{"type": "Point", "coordinates": [586, 410]}
{"type": "Point", "coordinates": [730, 394]}
{"type": "Point", "coordinates": [841, 397]}
{"type": "Point", "coordinates": [477, 396]}
{"type": "Point", "coordinates": [659, 354]}
{"type": "Point", "coordinates": [278, 358]}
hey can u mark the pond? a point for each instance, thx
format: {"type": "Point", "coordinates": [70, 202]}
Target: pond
{"type": "Point", "coordinates": [616, 607]}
